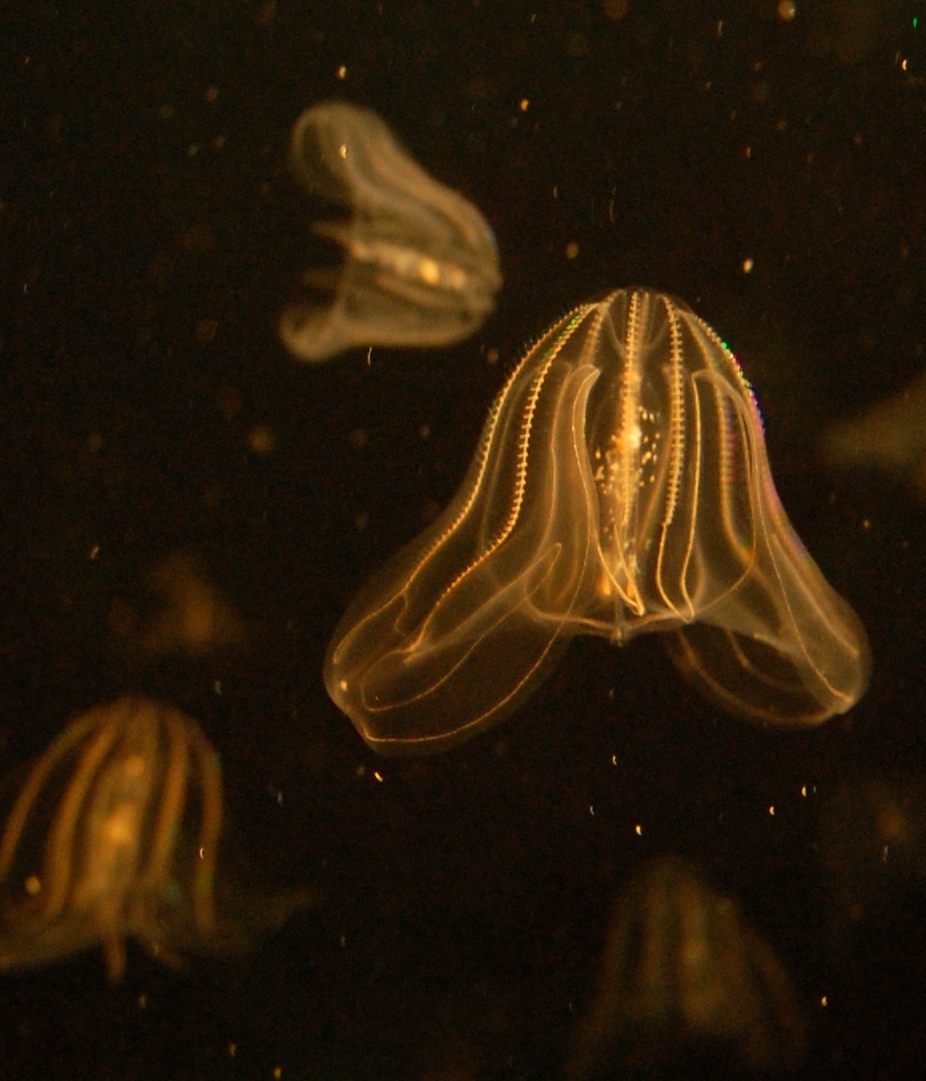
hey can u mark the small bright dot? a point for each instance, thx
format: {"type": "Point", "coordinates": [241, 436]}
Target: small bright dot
{"type": "Point", "coordinates": [277, 1073]}
{"type": "Point", "coordinates": [377, 776]}
{"type": "Point", "coordinates": [613, 759]}
{"type": "Point", "coordinates": [33, 885]}
{"type": "Point", "coordinates": [94, 552]}
{"type": "Point", "coordinates": [866, 523]}
{"type": "Point", "coordinates": [429, 269]}
{"type": "Point", "coordinates": [342, 683]}
{"type": "Point", "coordinates": [591, 809]}
{"type": "Point", "coordinates": [117, 830]}
{"type": "Point", "coordinates": [787, 9]}
{"type": "Point", "coordinates": [342, 151]}
{"type": "Point", "coordinates": [342, 72]}
{"type": "Point", "coordinates": [524, 104]}
{"type": "Point", "coordinates": [572, 249]}
{"type": "Point", "coordinates": [771, 810]}
{"type": "Point", "coordinates": [748, 264]}
{"type": "Point", "coordinates": [638, 830]}
{"type": "Point", "coordinates": [824, 1001]}
{"type": "Point", "coordinates": [804, 791]}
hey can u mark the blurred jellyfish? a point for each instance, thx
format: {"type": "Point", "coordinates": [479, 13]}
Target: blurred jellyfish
{"type": "Point", "coordinates": [683, 980]}
{"type": "Point", "coordinates": [889, 436]}
{"type": "Point", "coordinates": [181, 612]}
{"type": "Point", "coordinates": [872, 844]}
{"type": "Point", "coordinates": [421, 264]}
{"type": "Point", "coordinates": [114, 835]}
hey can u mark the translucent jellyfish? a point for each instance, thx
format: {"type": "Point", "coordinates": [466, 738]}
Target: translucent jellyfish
{"type": "Point", "coordinates": [621, 486]}
{"type": "Point", "coordinates": [685, 981]}
{"type": "Point", "coordinates": [420, 263]}
{"type": "Point", "coordinates": [114, 835]}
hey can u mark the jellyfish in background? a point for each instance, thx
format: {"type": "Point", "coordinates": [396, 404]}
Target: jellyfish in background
{"type": "Point", "coordinates": [685, 981]}
{"type": "Point", "coordinates": [889, 436]}
{"type": "Point", "coordinates": [420, 262]}
{"type": "Point", "coordinates": [179, 612]}
{"type": "Point", "coordinates": [114, 835]}
{"type": "Point", "coordinates": [621, 485]}
{"type": "Point", "coordinates": [872, 844]}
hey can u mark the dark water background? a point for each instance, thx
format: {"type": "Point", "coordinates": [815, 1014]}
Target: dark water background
{"type": "Point", "coordinates": [150, 236]}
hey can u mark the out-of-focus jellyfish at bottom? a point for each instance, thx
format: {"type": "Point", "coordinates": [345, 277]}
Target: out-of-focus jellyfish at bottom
{"type": "Point", "coordinates": [114, 834]}
{"type": "Point", "coordinates": [684, 982]}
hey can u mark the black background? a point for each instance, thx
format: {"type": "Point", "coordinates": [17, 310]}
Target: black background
{"type": "Point", "coordinates": [462, 901]}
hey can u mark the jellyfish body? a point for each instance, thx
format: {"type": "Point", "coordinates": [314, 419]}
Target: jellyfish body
{"type": "Point", "coordinates": [621, 485]}
{"type": "Point", "coordinates": [420, 262]}
{"type": "Point", "coordinates": [683, 977]}
{"type": "Point", "coordinates": [113, 835]}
